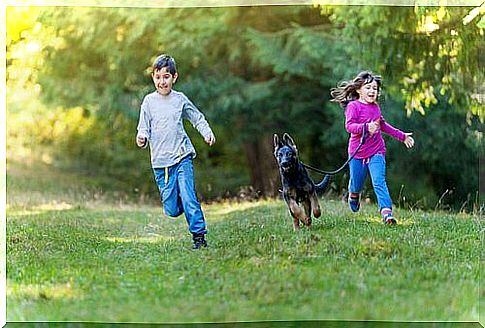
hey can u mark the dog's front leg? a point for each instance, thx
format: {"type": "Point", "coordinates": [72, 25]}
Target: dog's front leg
{"type": "Point", "coordinates": [308, 213]}
{"type": "Point", "coordinates": [315, 205]}
{"type": "Point", "coordinates": [297, 213]}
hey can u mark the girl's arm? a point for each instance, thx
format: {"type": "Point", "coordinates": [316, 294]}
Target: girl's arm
{"type": "Point", "coordinates": [392, 131]}
{"type": "Point", "coordinates": [351, 124]}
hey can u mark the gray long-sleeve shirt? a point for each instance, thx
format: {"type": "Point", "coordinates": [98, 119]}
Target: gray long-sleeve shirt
{"type": "Point", "coordinates": [161, 122]}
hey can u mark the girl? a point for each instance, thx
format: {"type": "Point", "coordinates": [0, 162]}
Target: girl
{"type": "Point", "coordinates": [362, 114]}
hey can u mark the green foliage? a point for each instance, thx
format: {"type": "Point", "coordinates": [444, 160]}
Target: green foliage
{"type": "Point", "coordinates": [423, 52]}
{"type": "Point", "coordinates": [445, 158]}
{"type": "Point", "coordinates": [253, 71]}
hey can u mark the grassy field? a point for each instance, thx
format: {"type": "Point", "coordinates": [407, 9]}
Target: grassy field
{"type": "Point", "coordinates": [75, 253]}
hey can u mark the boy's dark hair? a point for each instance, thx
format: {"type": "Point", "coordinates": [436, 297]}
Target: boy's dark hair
{"type": "Point", "coordinates": [165, 61]}
{"type": "Point", "coordinates": [346, 91]}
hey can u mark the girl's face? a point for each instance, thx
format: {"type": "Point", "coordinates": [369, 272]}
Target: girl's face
{"type": "Point", "coordinates": [368, 92]}
{"type": "Point", "coordinates": [163, 80]}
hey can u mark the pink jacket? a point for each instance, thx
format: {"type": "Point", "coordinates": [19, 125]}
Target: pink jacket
{"type": "Point", "coordinates": [357, 115]}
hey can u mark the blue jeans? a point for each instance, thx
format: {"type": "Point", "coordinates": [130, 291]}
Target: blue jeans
{"type": "Point", "coordinates": [376, 166]}
{"type": "Point", "coordinates": [177, 193]}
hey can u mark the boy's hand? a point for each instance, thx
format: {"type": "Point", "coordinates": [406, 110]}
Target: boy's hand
{"type": "Point", "coordinates": [141, 141]}
{"type": "Point", "coordinates": [409, 141]}
{"type": "Point", "coordinates": [373, 126]}
{"type": "Point", "coordinates": [210, 140]}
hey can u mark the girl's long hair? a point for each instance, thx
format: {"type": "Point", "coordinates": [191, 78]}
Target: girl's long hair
{"type": "Point", "coordinates": [346, 91]}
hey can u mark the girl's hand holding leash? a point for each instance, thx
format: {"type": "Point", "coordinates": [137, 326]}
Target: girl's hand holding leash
{"type": "Point", "coordinates": [373, 126]}
{"type": "Point", "coordinates": [409, 141]}
{"type": "Point", "coordinates": [210, 140]}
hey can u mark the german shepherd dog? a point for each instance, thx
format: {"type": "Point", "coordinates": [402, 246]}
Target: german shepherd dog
{"type": "Point", "coordinates": [298, 188]}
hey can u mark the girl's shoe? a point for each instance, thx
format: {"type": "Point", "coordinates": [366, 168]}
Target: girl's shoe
{"type": "Point", "coordinates": [354, 204]}
{"type": "Point", "coordinates": [389, 219]}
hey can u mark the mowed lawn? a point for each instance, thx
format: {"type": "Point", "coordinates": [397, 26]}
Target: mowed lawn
{"type": "Point", "coordinates": [75, 253]}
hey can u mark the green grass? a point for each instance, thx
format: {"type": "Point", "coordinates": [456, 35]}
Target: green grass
{"type": "Point", "coordinates": [72, 256]}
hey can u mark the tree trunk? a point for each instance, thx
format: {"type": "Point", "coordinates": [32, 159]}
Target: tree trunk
{"type": "Point", "coordinates": [262, 166]}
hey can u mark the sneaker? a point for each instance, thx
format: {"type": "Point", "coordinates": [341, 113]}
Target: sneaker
{"type": "Point", "coordinates": [354, 203]}
{"type": "Point", "coordinates": [387, 217]}
{"type": "Point", "coordinates": [389, 220]}
{"type": "Point", "coordinates": [199, 241]}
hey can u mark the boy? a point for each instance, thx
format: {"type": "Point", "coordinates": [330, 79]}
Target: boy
{"type": "Point", "coordinates": [160, 124]}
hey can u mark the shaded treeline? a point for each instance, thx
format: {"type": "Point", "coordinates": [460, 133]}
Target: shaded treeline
{"type": "Point", "coordinates": [79, 75]}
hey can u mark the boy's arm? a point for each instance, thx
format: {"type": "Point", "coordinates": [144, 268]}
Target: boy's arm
{"type": "Point", "coordinates": [193, 114]}
{"type": "Point", "coordinates": [143, 128]}
{"type": "Point", "coordinates": [392, 131]}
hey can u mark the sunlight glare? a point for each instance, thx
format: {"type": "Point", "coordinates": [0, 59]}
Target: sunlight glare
{"type": "Point", "coordinates": [59, 291]}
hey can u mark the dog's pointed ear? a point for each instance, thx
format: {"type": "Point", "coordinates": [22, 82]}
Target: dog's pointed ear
{"type": "Point", "coordinates": [276, 141]}
{"type": "Point", "coordinates": [289, 140]}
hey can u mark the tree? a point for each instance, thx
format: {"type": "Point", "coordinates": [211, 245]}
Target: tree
{"type": "Point", "coordinates": [423, 52]}
{"type": "Point", "coordinates": [98, 69]}
{"type": "Point", "coordinates": [253, 71]}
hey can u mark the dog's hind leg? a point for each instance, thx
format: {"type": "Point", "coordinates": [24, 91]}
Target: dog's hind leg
{"type": "Point", "coordinates": [315, 205]}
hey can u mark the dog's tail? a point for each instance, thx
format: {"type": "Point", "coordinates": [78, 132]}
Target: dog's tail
{"type": "Point", "coordinates": [322, 185]}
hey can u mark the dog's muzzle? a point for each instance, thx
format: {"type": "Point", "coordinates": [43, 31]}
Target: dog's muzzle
{"type": "Point", "coordinates": [285, 166]}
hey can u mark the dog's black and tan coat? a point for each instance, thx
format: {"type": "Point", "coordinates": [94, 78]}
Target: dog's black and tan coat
{"type": "Point", "coordinates": [298, 188]}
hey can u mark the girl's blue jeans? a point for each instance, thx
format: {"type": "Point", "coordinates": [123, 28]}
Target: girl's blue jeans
{"type": "Point", "coordinates": [177, 192]}
{"type": "Point", "coordinates": [376, 166]}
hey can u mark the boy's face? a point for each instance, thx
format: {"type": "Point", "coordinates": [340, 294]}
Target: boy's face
{"type": "Point", "coordinates": [163, 80]}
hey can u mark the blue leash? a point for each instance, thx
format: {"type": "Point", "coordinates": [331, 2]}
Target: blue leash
{"type": "Point", "coordinates": [362, 140]}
